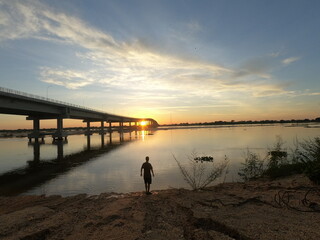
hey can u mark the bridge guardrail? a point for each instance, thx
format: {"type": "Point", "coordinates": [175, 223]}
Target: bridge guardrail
{"type": "Point", "coordinates": [24, 94]}
{"type": "Point", "coordinates": [36, 97]}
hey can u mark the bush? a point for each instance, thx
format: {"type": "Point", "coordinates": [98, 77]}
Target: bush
{"type": "Point", "coordinates": [310, 150]}
{"type": "Point", "coordinates": [284, 170]}
{"type": "Point", "coordinates": [252, 168]}
{"type": "Point", "coordinates": [309, 156]}
{"type": "Point", "coordinates": [278, 156]}
{"type": "Point", "coordinates": [305, 159]}
{"type": "Point", "coordinates": [278, 163]}
{"type": "Point", "coordinates": [200, 174]}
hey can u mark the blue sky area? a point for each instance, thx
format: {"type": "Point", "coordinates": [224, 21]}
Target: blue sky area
{"type": "Point", "coordinates": [174, 61]}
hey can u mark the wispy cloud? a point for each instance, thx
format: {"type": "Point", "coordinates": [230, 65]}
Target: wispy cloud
{"type": "Point", "coordinates": [131, 64]}
{"type": "Point", "coordinates": [306, 92]}
{"type": "Point", "coordinates": [67, 78]}
{"type": "Point", "coordinates": [290, 60]}
{"type": "Point", "coordinates": [199, 106]}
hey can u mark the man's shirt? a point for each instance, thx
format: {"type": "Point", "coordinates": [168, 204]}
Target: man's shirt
{"type": "Point", "coordinates": [147, 169]}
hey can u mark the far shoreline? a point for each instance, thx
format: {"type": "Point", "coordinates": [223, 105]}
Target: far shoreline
{"type": "Point", "coordinates": [23, 133]}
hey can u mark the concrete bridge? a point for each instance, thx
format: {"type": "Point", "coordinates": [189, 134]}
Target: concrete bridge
{"type": "Point", "coordinates": [37, 108]}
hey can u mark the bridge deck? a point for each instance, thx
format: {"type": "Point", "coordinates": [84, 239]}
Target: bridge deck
{"type": "Point", "coordinates": [37, 108]}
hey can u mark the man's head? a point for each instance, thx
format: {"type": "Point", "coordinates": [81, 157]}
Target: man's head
{"type": "Point", "coordinates": [147, 158]}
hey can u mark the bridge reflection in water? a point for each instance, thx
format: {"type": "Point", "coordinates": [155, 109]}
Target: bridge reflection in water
{"type": "Point", "coordinates": [38, 172]}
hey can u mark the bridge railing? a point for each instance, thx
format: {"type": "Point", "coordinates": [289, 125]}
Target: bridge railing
{"type": "Point", "coordinates": [24, 94]}
{"type": "Point", "coordinates": [36, 97]}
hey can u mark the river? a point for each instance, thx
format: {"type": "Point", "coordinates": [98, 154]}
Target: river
{"type": "Point", "coordinates": [95, 165]}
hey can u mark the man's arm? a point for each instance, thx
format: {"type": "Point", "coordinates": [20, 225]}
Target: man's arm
{"type": "Point", "coordinates": [141, 170]}
{"type": "Point", "coordinates": [152, 171]}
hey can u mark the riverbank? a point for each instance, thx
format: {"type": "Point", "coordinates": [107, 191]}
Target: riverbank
{"type": "Point", "coordinates": [252, 210]}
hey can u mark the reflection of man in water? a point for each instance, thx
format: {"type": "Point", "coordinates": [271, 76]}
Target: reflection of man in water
{"type": "Point", "coordinates": [147, 174]}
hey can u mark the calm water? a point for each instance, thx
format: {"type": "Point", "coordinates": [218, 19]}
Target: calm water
{"type": "Point", "coordinates": [97, 165]}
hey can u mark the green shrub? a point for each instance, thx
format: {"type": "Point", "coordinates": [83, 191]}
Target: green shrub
{"type": "Point", "coordinates": [277, 155]}
{"type": "Point", "coordinates": [277, 163]}
{"type": "Point", "coordinates": [305, 159]}
{"type": "Point", "coordinates": [309, 155]}
{"type": "Point", "coordinates": [252, 168]}
{"type": "Point", "coordinates": [284, 170]}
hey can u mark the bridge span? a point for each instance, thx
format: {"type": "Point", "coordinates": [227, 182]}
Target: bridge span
{"type": "Point", "coordinates": [37, 108]}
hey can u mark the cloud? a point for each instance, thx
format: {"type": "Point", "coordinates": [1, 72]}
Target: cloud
{"type": "Point", "coordinates": [199, 106]}
{"type": "Point", "coordinates": [258, 67]}
{"type": "Point", "coordinates": [290, 60]}
{"type": "Point", "coordinates": [314, 94]}
{"type": "Point", "coordinates": [275, 54]}
{"type": "Point", "coordinates": [130, 65]}
{"type": "Point", "coordinates": [67, 78]}
{"type": "Point", "coordinates": [306, 92]}
{"type": "Point", "coordinates": [16, 20]}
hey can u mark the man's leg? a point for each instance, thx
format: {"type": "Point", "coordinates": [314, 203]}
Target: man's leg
{"type": "Point", "coordinates": [146, 184]}
{"type": "Point", "coordinates": [148, 187]}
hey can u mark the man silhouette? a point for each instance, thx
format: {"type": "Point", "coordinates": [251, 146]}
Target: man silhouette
{"type": "Point", "coordinates": [147, 169]}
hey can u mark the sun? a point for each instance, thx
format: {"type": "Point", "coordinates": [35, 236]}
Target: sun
{"type": "Point", "coordinates": [143, 123]}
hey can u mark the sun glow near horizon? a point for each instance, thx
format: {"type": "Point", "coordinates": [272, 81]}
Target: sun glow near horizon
{"type": "Point", "coordinates": [143, 123]}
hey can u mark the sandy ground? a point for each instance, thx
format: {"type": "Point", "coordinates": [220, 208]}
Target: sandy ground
{"type": "Point", "coordinates": [284, 209]}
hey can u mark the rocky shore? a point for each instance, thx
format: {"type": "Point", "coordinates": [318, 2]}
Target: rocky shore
{"type": "Point", "coordinates": [288, 208]}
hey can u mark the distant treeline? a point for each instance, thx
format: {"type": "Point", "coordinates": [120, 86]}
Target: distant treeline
{"type": "Point", "coordinates": [246, 122]}
{"type": "Point", "coordinates": [185, 124]}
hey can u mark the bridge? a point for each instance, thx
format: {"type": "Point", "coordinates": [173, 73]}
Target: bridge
{"type": "Point", "coordinates": [38, 108]}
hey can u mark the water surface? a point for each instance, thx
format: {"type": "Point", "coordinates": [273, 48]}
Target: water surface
{"type": "Point", "coordinates": [113, 165]}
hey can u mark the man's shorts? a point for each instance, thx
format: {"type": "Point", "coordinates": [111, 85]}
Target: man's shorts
{"type": "Point", "coordinates": [147, 179]}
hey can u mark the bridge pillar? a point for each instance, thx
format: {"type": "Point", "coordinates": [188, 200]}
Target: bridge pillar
{"type": "Point", "coordinates": [102, 134]}
{"type": "Point", "coordinates": [36, 125]}
{"type": "Point", "coordinates": [121, 128]}
{"type": "Point", "coordinates": [36, 131]}
{"type": "Point", "coordinates": [136, 128]}
{"type": "Point", "coordinates": [110, 127]}
{"type": "Point", "coordinates": [110, 132]}
{"type": "Point", "coordinates": [36, 128]}
{"type": "Point", "coordinates": [59, 125]}
{"type": "Point", "coordinates": [102, 128]}
{"type": "Point", "coordinates": [59, 134]}
{"type": "Point", "coordinates": [88, 132]}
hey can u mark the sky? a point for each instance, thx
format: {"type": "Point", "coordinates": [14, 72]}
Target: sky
{"type": "Point", "coordinates": [173, 61]}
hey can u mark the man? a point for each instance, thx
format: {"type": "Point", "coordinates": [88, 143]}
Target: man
{"type": "Point", "coordinates": [147, 169]}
